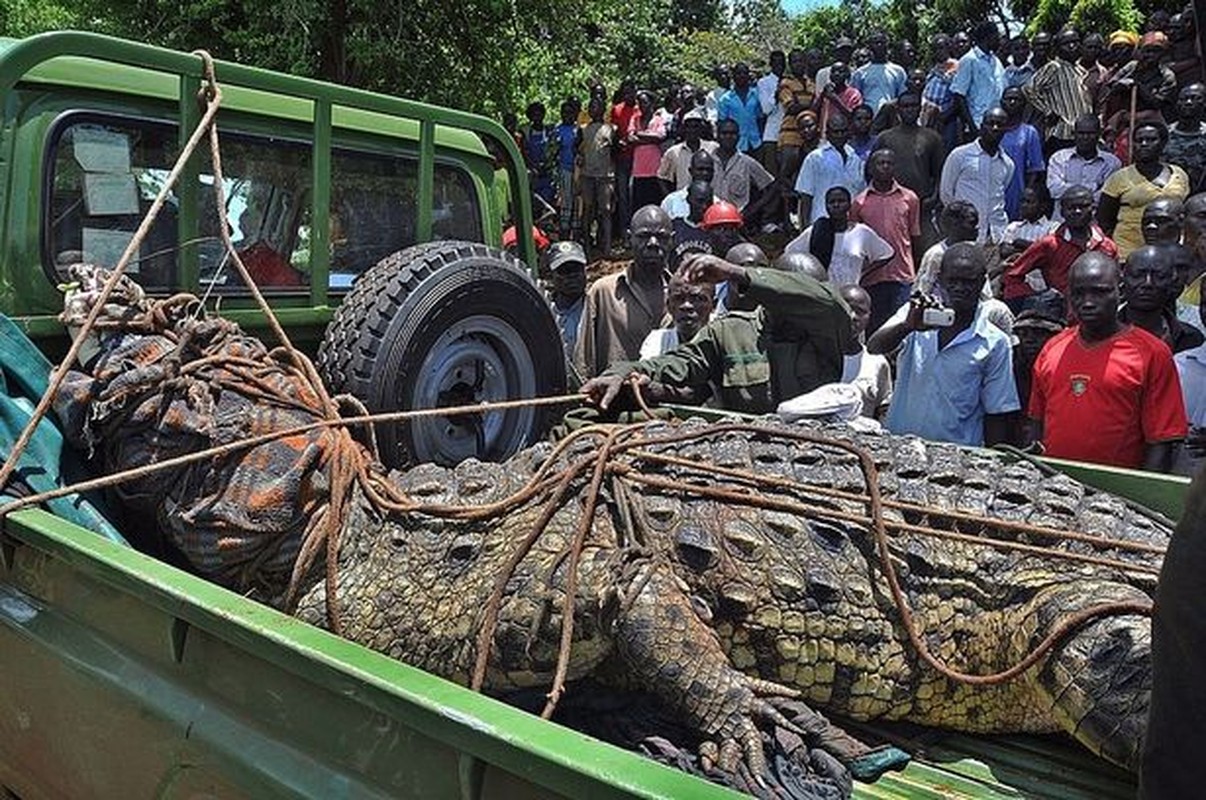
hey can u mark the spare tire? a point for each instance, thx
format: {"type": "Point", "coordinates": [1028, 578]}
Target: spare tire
{"type": "Point", "coordinates": [446, 324]}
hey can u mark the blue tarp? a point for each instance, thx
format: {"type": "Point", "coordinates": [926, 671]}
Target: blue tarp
{"type": "Point", "coordinates": [46, 463]}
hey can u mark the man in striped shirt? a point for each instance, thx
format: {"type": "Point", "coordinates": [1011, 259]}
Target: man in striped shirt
{"type": "Point", "coordinates": [1057, 93]}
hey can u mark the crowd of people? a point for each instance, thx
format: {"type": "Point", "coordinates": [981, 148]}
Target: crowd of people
{"type": "Point", "coordinates": [997, 248]}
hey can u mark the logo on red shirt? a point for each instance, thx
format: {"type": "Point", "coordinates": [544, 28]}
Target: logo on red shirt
{"type": "Point", "coordinates": [1080, 384]}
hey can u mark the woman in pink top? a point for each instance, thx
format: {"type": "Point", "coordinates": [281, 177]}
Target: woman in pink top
{"type": "Point", "coordinates": [648, 131]}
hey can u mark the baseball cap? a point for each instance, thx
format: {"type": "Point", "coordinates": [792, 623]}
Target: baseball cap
{"type": "Point", "coordinates": [562, 254]}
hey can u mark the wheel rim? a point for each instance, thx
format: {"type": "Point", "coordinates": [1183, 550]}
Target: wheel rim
{"type": "Point", "coordinates": [478, 359]}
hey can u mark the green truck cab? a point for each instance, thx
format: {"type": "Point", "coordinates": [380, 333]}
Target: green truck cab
{"type": "Point", "coordinates": [126, 677]}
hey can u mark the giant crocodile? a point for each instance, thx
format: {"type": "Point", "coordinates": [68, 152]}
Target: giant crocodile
{"type": "Point", "coordinates": [716, 603]}
{"type": "Point", "coordinates": [723, 568]}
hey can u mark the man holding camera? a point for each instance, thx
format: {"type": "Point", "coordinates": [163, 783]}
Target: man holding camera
{"type": "Point", "coordinates": [954, 378]}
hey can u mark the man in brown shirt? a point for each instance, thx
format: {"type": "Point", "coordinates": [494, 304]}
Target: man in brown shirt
{"type": "Point", "coordinates": [622, 308]}
{"type": "Point", "coordinates": [796, 93]}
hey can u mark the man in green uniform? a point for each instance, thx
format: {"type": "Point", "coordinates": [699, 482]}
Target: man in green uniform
{"type": "Point", "coordinates": [790, 344]}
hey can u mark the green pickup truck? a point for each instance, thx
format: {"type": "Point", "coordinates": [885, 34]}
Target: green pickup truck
{"type": "Point", "coordinates": [125, 677]}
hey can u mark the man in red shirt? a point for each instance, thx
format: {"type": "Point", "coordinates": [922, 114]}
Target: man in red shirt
{"type": "Point", "coordinates": [894, 212]}
{"type": "Point", "coordinates": [622, 118]}
{"type": "Point", "coordinates": [1105, 391]}
{"type": "Point", "coordinates": [1052, 255]}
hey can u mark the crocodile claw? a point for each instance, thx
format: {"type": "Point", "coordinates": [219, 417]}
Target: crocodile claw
{"type": "Point", "coordinates": [738, 730]}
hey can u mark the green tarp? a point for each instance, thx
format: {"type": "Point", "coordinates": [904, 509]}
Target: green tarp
{"type": "Point", "coordinates": [46, 463]}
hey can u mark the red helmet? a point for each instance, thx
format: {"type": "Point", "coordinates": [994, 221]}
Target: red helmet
{"type": "Point", "coordinates": [721, 213]}
{"type": "Point", "coordinates": [510, 238]}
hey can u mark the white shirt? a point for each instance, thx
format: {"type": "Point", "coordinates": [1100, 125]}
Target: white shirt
{"type": "Point", "coordinates": [1029, 231]}
{"type": "Point", "coordinates": [853, 250]}
{"type": "Point", "coordinates": [675, 205]}
{"type": "Point", "coordinates": [768, 91]}
{"type": "Point", "coordinates": [825, 168]}
{"type": "Point", "coordinates": [1191, 369]}
{"type": "Point", "coordinates": [712, 104]}
{"type": "Point", "coordinates": [822, 79]}
{"type": "Point", "coordinates": [872, 376]}
{"type": "Point", "coordinates": [659, 342]}
{"type": "Point", "coordinates": [973, 175]}
{"type": "Point", "coordinates": [675, 166]}
{"type": "Point", "coordinates": [1066, 168]}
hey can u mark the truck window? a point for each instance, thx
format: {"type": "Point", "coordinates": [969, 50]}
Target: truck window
{"type": "Point", "coordinates": [104, 174]}
{"type": "Point", "coordinates": [267, 192]}
{"type": "Point", "coordinates": [456, 214]}
{"type": "Point", "coordinates": [373, 209]}
{"type": "Point", "coordinates": [373, 202]}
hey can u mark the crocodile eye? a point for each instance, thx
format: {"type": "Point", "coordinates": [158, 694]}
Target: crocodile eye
{"type": "Point", "coordinates": [463, 549]}
{"type": "Point", "coordinates": [695, 548]}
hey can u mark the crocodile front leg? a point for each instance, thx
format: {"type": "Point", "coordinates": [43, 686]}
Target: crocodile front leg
{"type": "Point", "coordinates": [672, 652]}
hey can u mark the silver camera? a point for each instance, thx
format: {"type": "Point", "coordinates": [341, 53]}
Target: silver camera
{"type": "Point", "coordinates": [938, 317]}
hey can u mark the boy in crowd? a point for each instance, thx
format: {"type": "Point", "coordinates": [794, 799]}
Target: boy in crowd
{"type": "Point", "coordinates": [597, 143]}
{"type": "Point", "coordinates": [568, 136]}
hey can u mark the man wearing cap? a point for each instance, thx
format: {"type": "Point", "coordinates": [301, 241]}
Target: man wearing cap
{"type": "Point", "coordinates": [1154, 85]}
{"type": "Point", "coordinates": [1032, 330]}
{"type": "Point", "coordinates": [793, 342]}
{"type": "Point", "coordinates": [566, 263]}
{"type": "Point", "coordinates": [675, 170]}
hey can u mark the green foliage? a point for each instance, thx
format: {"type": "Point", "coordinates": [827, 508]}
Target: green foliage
{"type": "Point", "coordinates": [26, 17]}
{"type": "Point", "coordinates": [700, 51]}
{"type": "Point", "coordinates": [1105, 16]}
{"type": "Point", "coordinates": [496, 55]}
{"type": "Point", "coordinates": [818, 28]}
{"type": "Point", "coordinates": [1100, 16]}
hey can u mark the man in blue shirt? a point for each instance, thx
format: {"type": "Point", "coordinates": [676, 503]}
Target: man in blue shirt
{"type": "Point", "coordinates": [979, 79]}
{"type": "Point", "coordinates": [880, 81]}
{"type": "Point", "coordinates": [741, 105]}
{"type": "Point", "coordinates": [954, 383]}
